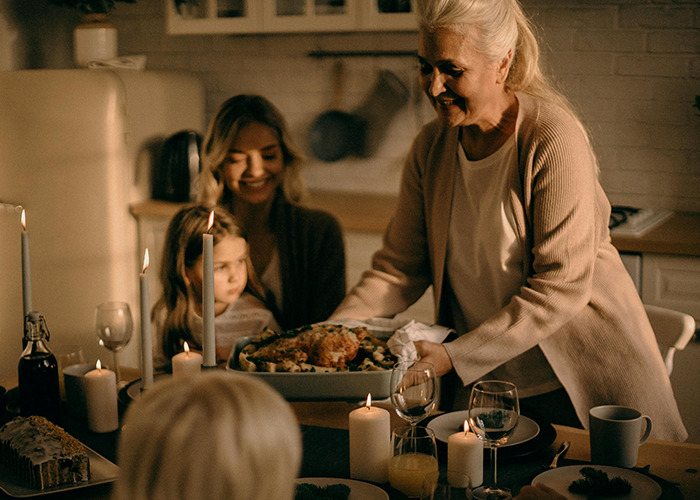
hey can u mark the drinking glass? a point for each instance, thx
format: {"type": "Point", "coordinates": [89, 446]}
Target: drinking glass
{"type": "Point", "coordinates": [414, 456]}
{"type": "Point", "coordinates": [437, 487]}
{"type": "Point", "coordinates": [67, 355]}
{"type": "Point", "coordinates": [414, 390]}
{"type": "Point", "coordinates": [493, 415]}
{"type": "Point", "coordinates": [114, 325]}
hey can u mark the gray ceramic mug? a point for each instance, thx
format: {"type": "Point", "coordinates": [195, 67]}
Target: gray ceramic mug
{"type": "Point", "coordinates": [616, 433]}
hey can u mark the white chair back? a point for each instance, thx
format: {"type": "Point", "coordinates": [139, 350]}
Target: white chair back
{"type": "Point", "coordinates": [673, 330]}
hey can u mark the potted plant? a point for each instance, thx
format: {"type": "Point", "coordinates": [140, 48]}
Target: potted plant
{"type": "Point", "coordinates": [94, 39]}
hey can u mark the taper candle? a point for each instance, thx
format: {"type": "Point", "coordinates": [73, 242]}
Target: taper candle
{"type": "Point", "coordinates": [26, 267]}
{"type": "Point", "coordinates": [208, 340]}
{"type": "Point", "coordinates": [370, 443]}
{"type": "Point", "coordinates": [146, 343]}
{"type": "Point", "coordinates": [101, 399]}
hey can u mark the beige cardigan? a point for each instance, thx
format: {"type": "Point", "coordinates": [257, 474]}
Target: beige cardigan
{"type": "Point", "coordinates": [577, 301]}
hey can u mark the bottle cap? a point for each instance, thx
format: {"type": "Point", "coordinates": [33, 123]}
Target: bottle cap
{"type": "Point", "coordinates": [35, 326]}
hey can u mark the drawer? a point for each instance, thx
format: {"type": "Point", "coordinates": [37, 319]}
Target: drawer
{"type": "Point", "coordinates": [672, 281]}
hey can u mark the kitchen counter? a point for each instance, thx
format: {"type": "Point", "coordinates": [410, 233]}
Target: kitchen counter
{"type": "Point", "coordinates": [678, 235]}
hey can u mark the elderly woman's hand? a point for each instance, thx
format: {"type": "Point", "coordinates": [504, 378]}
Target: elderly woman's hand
{"type": "Point", "coordinates": [435, 354]}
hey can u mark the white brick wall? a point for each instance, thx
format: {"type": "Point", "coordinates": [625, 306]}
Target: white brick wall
{"type": "Point", "coordinates": [632, 67]}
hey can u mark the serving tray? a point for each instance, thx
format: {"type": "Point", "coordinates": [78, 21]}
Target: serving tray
{"type": "Point", "coordinates": [101, 471]}
{"type": "Point", "coordinates": [308, 386]}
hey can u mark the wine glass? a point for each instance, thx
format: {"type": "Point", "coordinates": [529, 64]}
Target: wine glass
{"type": "Point", "coordinates": [114, 326]}
{"type": "Point", "coordinates": [493, 414]}
{"type": "Point", "coordinates": [414, 390]}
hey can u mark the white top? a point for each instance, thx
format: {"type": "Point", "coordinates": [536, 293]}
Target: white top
{"type": "Point", "coordinates": [244, 317]}
{"type": "Point", "coordinates": [271, 279]}
{"type": "Point", "coordinates": [483, 250]}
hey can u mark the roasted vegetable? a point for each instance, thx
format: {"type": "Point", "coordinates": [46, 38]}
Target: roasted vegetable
{"type": "Point", "coordinates": [597, 484]}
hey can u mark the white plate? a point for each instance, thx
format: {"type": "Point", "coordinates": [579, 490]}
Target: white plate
{"type": "Point", "coordinates": [359, 490]}
{"type": "Point", "coordinates": [559, 479]}
{"type": "Point", "coordinates": [101, 471]}
{"type": "Point", "coordinates": [449, 423]}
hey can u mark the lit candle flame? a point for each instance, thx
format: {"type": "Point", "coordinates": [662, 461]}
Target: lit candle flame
{"type": "Point", "coordinates": [211, 220]}
{"type": "Point", "coordinates": [98, 366]}
{"type": "Point", "coordinates": [146, 260]}
{"type": "Point", "coordinates": [466, 426]}
{"type": "Point", "coordinates": [23, 219]}
{"type": "Point", "coordinates": [368, 404]}
{"type": "Point", "coordinates": [187, 348]}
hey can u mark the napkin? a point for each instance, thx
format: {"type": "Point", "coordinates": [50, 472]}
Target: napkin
{"type": "Point", "coordinates": [126, 62]}
{"type": "Point", "coordinates": [401, 343]}
{"type": "Point", "coordinates": [401, 332]}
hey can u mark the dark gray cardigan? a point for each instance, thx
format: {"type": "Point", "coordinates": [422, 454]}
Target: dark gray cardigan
{"type": "Point", "coordinates": [312, 263]}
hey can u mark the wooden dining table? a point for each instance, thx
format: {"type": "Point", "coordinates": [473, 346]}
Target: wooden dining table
{"type": "Point", "coordinates": [324, 426]}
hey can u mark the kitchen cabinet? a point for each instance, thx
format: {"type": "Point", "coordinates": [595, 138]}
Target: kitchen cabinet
{"type": "Point", "coordinates": [669, 259]}
{"type": "Point", "coordinates": [288, 16]}
{"type": "Point", "coordinates": [672, 281]}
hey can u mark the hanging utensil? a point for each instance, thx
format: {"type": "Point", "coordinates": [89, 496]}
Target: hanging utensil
{"type": "Point", "coordinates": [335, 133]}
{"type": "Point", "coordinates": [379, 108]}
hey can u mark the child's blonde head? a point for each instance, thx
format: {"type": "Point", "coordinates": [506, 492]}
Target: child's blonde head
{"type": "Point", "coordinates": [215, 436]}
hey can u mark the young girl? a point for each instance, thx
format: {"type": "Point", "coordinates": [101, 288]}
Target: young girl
{"type": "Point", "coordinates": [237, 306]}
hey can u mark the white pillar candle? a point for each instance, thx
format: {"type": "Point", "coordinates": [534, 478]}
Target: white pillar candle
{"type": "Point", "coordinates": [186, 364]}
{"type": "Point", "coordinates": [146, 343]}
{"type": "Point", "coordinates": [465, 458]}
{"type": "Point", "coordinates": [370, 443]}
{"type": "Point", "coordinates": [26, 268]}
{"type": "Point", "coordinates": [101, 399]}
{"type": "Point", "coordinates": [208, 339]}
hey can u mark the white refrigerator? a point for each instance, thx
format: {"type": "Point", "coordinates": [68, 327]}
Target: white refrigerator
{"type": "Point", "coordinates": [75, 151]}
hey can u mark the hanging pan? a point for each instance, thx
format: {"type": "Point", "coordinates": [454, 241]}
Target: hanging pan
{"type": "Point", "coordinates": [335, 133]}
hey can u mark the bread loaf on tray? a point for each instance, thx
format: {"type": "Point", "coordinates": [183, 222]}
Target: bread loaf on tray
{"type": "Point", "coordinates": [42, 454]}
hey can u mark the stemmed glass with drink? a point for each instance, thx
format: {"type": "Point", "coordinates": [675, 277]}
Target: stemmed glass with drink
{"type": "Point", "coordinates": [493, 414]}
{"type": "Point", "coordinates": [414, 393]}
{"type": "Point", "coordinates": [114, 326]}
{"type": "Point", "coordinates": [414, 390]}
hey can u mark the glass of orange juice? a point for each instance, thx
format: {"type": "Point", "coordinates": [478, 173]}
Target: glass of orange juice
{"type": "Point", "coordinates": [414, 457]}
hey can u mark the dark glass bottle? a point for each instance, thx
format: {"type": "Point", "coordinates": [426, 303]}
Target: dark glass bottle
{"type": "Point", "coordinates": [38, 372]}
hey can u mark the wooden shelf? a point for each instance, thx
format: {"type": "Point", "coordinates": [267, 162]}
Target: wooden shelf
{"type": "Point", "coordinates": [359, 212]}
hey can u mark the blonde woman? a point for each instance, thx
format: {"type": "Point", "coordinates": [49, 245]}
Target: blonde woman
{"type": "Point", "coordinates": [501, 211]}
{"type": "Point", "coordinates": [217, 436]}
{"type": "Point", "coordinates": [250, 167]}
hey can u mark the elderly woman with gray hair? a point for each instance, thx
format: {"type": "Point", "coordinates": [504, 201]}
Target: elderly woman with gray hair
{"type": "Point", "coordinates": [502, 212]}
